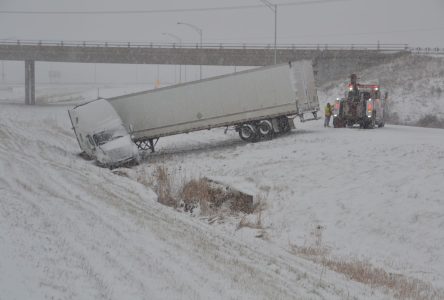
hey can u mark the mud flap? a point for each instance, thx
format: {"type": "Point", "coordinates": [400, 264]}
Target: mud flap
{"type": "Point", "coordinates": [275, 124]}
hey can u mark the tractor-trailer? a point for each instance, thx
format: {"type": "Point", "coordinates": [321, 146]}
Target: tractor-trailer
{"type": "Point", "coordinates": [258, 102]}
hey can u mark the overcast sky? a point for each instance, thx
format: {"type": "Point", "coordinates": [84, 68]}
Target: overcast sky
{"type": "Point", "coordinates": [415, 22]}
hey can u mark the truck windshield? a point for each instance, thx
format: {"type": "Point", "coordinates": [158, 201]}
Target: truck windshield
{"type": "Point", "coordinates": [105, 136]}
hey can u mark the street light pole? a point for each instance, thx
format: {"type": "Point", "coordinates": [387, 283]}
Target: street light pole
{"type": "Point", "coordinates": [199, 31]}
{"type": "Point", "coordinates": [180, 43]}
{"type": "Point", "coordinates": [274, 9]}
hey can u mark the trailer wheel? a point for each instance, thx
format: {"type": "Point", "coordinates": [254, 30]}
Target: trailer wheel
{"type": "Point", "coordinates": [265, 129]}
{"type": "Point", "coordinates": [248, 133]}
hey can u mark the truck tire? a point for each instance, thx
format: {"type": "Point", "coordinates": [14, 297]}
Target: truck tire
{"type": "Point", "coordinates": [265, 130]}
{"type": "Point", "coordinates": [338, 123]}
{"type": "Point", "coordinates": [248, 133]}
{"type": "Point", "coordinates": [382, 123]}
{"type": "Point", "coordinates": [372, 123]}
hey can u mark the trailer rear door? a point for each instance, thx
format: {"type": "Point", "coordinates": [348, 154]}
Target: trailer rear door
{"type": "Point", "coordinates": [304, 86]}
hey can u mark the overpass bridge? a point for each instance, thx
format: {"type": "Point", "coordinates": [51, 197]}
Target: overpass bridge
{"type": "Point", "coordinates": [329, 61]}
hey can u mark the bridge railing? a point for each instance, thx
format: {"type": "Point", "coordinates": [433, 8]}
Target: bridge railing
{"type": "Point", "coordinates": [320, 47]}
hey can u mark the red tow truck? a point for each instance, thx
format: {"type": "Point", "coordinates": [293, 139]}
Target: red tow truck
{"type": "Point", "coordinates": [362, 105]}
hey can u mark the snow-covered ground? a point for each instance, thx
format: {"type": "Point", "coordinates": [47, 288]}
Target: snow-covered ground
{"type": "Point", "coordinates": [72, 230]}
{"type": "Point", "coordinates": [375, 194]}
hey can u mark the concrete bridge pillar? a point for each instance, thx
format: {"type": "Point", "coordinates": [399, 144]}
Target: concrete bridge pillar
{"type": "Point", "coordinates": [29, 82]}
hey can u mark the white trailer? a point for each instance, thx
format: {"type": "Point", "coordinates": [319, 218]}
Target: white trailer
{"type": "Point", "coordinates": [258, 103]}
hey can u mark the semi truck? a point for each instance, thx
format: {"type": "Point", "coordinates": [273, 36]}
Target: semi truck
{"type": "Point", "coordinates": [259, 103]}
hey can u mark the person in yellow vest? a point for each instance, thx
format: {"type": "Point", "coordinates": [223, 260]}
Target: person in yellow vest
{"type": "Point", "coordinates": [328, 113]}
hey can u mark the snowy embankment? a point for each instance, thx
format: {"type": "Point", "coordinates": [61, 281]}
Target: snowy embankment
{"type": "Point", "coordinates": [69, 229]}
{"type": "Point", "coordinates": [415, 85]}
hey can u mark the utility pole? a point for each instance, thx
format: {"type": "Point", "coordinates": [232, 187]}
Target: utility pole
{"type": "Point", "coordinates": [274, 9]}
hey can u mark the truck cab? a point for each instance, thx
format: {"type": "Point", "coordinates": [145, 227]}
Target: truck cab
{"type": "Point", "coordinates": [101, 134]}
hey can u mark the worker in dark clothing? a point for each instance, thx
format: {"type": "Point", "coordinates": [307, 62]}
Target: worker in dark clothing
{"type": "Point", "coordinates": [328, 113]}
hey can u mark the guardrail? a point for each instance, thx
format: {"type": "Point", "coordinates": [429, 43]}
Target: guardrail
{"type": "Point", "coordinates": [382, 47]}
{"type": "Point", "coordinates": [375, 47]}
{"type": "Point", "coordinates": [427, 50]}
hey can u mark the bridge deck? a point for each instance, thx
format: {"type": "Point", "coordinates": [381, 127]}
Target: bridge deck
{"type": "Point", "coordinates": [185, 54]}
